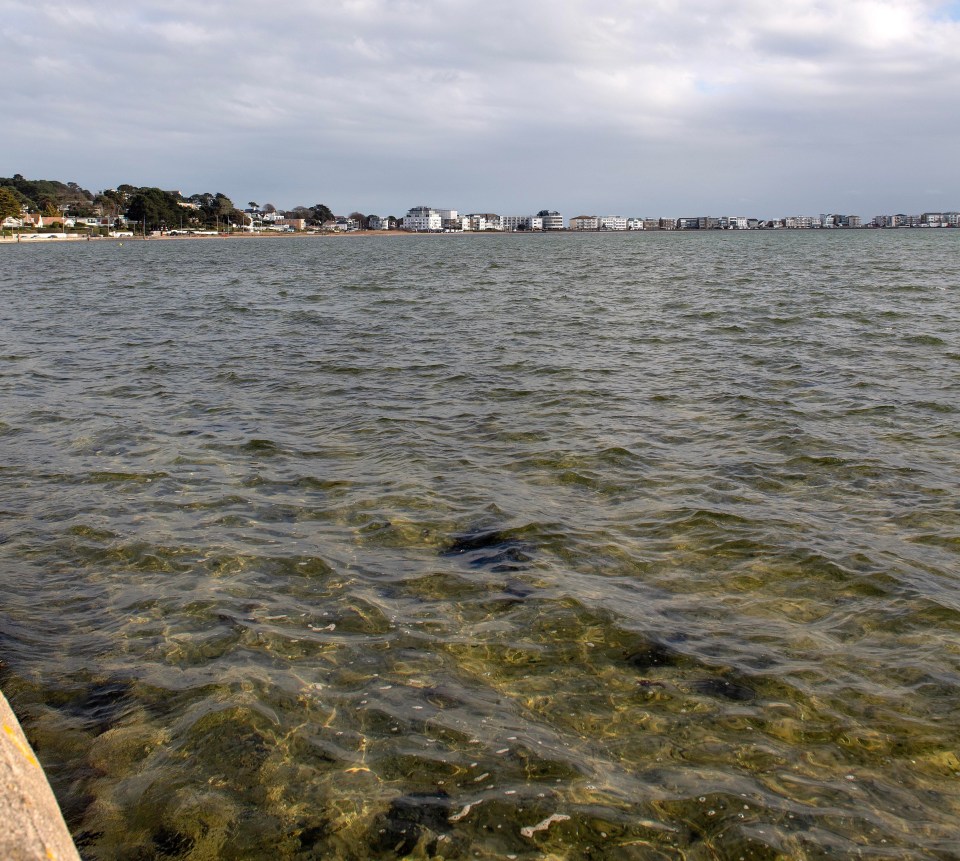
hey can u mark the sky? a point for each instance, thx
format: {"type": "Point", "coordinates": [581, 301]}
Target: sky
{"type": "Point", "coordinates": [763, 108]}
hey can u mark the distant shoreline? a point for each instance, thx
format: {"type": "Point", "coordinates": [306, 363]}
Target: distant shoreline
{"type": "Point", "coordinates": [39, 239]}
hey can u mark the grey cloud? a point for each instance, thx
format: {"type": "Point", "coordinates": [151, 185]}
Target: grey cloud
{"type": "Point", "coordinates": [624, 107]}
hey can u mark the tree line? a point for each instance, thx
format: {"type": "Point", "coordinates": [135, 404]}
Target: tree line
{"type": "Point", "coordinates": [152, 207]}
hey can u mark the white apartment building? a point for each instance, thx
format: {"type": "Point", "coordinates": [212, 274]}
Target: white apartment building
{"type": "Point", "coordinates": [551, 220]}
{"type": "Point", "coordinates": [801, 222]}
{"type": "Point", "coordinates": [612, 222]}
{"type": "Point", "coordinates": [635, 224]}
{"type": "Point", "coordinates": [734, 222]}
{"type": "Point", "coordinates": [584, 222]}
{"type": "Point", "coordinates": [421, 219]}
{"type": "Point", "coordinates": [484, 221]}
{"type": "Point", "coordinates": [378, 222]}
{"type": "Point", "coordinates": [521, 222]}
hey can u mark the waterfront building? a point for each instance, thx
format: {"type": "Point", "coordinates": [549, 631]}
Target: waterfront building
{"type": "Point", "coordinates": [422, 219]}
{"type": "Point", "coordinates": [651, 224]}
{"type": "Point", "coordinates": [951, 219]}
{"type": "Point", "coordinates": [612, 222]}
{"type": "Point", "coordinates": [584, 222]}
{"type": "Point", "coordinates": [668, 224]}
{"type": "Point", "coordinates": [688, 223]}
{"type": "Point", "coordinates": [552, 220]}
{"type": "Point", "coordinates": [635, 224]}
{"type": "Point", "coordinates": [484, 221]}
{"type": "Point", "coordinates": [521, 222]}
{"type": "Point", "coordinates": [378, 222]}
{"type": "Point", "coordinates": [732, 222]}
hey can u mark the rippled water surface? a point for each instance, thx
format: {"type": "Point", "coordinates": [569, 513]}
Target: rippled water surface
{"type": "Point", "coordinates": [567, 547]}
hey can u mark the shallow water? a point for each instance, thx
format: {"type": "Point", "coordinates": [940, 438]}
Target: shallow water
{"type": "Point", "coordinates": [579, 547]}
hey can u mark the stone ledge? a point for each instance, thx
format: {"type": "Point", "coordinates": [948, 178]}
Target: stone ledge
{"type": "Point", "coordinates": [31, 824]}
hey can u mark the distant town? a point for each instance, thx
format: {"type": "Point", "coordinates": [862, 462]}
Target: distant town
{"type": "Point", "coordinates": [51, 206]}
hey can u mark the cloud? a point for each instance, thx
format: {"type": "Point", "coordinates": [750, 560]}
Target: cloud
{"type": "Point", "coordinates": [327, 95]}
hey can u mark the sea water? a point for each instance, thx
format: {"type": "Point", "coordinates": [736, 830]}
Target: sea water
{"type": "Point", "coordinates": [576, 547]}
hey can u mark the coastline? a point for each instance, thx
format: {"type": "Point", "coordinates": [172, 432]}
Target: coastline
{"type": "Point", "coordinates": [41, 238]}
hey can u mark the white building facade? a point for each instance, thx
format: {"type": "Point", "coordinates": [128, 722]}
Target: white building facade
{"type": "Point", "coordinates": [551, 220]}
{"type": "Point", "coordinates": [521, 222]}
{"type": "Point", "coordinates": [584, 222]}
{"type": "Point", "coordinates": [422, 219]}
{"type": "Point", "coordinates": [612, 222]}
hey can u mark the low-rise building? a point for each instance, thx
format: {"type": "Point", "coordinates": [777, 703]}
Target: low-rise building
{"type": "Point", "coordinates": [484, 221]}
{"type": "Point", "coordinates": [733, 222]}
{"type": "Point", "coordinates": [457, 223]}
{"type": "Point", "coordinates": [521, 222]}
{"type": "Point", "coordinates": [584, 222]}
{"type": "Point", "coordinates": [612, 222]}
{"type": "Point", "coordinates": [552, 220]}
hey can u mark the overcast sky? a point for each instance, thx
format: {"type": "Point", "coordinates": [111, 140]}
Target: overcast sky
{"type": "Point", "coordinates": [656, 107]}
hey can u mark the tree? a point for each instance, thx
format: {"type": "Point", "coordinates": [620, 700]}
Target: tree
{"type": "Point", "coordinates": [9, 205]}
{"type": "Point", "coordinates": [156, 208]}
{"type": "Point", "coordinates": [269, 207]}
{"type": "Point", "coordinates": [320, 213]}
{"type": "Point", "coordinates": [252, 204]}
{"type": "Point", "coordinates": [224, 206]}
{"type": "Point", "coordinates": [361, 219]}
